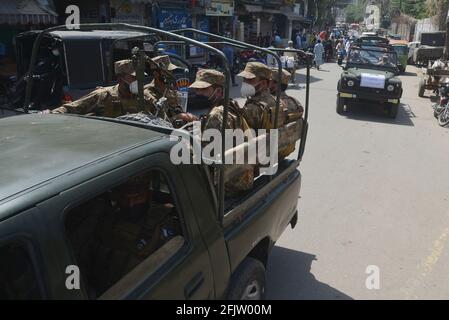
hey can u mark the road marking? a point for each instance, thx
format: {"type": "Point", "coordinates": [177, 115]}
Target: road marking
{"type": "Point", "coordinates": [426, 266]}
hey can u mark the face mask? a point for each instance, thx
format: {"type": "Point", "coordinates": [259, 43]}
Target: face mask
{"type": "Point", "coordinates": [202, 102]}
{"type": "Point", "coordinates": [247, 90]}
{"type": "Point", "coordinates": [133, 87]}
{"type": "Point", "coordinates": [212, 97]}
{"type": "Point", "coordinates": [55, 52]}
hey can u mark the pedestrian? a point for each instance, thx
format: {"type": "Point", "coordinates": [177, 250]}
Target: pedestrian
{"type": "Point", "coordinates": [291, 58]}
{"type": "Point", "coordinates": [277, 40]}
{"type": "Point", "coordinates": [318, 51]}
{"type": "Point", "coordinates": [298, 41]}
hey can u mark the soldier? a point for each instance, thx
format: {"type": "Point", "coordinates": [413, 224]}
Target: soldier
{"type": "Point", "coordinates": [210, 83]}
{"type": "Point", "coordinates": [260, 107]}
{"type": "Point", "coordinates": [130, 229]}
{"type": "Point", "coordinates": [112, 101]}
{"type": "Point", "coordinates": [290, 107]}
{"type": "Point", "coordinates": [162, 87]}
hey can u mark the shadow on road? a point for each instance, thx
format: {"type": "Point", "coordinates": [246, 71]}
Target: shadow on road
{"type": "Point", "coordinates": [301, 78]}
{"type": "Point", "coordinates": [377, 113]}
{"type": "Point", "coordinates": [289, 278]}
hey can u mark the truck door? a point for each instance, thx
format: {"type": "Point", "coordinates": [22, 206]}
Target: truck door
{"type": "Point", "coordinates": [151, 249]}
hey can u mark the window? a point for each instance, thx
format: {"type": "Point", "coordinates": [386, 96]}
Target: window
{"type": "Point", "coordinates": [118, 230]}
{"type": "Point", "coordinates": [17, 276]}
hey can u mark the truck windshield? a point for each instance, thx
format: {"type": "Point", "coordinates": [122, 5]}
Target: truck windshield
{"type": "Point", "coordinates": [372, 58]}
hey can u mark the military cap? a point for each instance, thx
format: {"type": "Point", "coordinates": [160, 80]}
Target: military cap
{"type": "Point", "coordinates": [256, 69]}
{"type": "Point", "coordinates": [285, 77]}
{"type": "Point", "coordinates": [124, 66]}
{"type": "Point", "coordinates": [208, 77]}
{"type": "Point", "coordinates": [164, 62]}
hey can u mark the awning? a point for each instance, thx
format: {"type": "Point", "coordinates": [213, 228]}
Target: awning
{"type": "Point", "coordinates": [294, 17]}
{"type": "Point", "coordinates": [25, 12]}
{"type": "Point", "coordinates": [253, 9]}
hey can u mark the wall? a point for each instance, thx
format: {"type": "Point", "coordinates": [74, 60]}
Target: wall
{"type": "Point", "coordinates": [425, 25]}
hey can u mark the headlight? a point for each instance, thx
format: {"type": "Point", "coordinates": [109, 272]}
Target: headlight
{"type": "Point", "coordinates": [390, 88]}
{"type": "Point", "coordinates": [350, 83]}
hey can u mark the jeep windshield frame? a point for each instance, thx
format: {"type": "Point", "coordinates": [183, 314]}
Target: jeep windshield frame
{"type": "Point", "coordinates": [375, 52]}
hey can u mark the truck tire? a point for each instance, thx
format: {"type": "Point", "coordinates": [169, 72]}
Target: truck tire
{"type": "Point", "coordinates": [248, 281]}
{"type": "Point", "coordinates": [340, 105]}
{"type": "Point", "coordinates": [422, 87]}
{"type": "Point", "coordinates": [393, 110]}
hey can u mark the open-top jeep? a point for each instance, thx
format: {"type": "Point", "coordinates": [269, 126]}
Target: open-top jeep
{"type": "Point", "coordinates": [370, 74]}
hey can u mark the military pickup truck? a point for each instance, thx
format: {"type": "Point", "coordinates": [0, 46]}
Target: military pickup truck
{"type": "Point", "coordinates": [370, 75]}
{"type": "Point", "coordinates": [93, 208]}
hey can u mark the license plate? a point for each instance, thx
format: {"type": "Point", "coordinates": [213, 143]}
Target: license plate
{"type": "Point", "coordinates": [347, 95]}
{"type": "Point", "coordinates": [393, 100]}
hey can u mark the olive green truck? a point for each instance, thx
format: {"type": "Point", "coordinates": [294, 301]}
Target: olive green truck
{"type": "Point", "coordinates": [73, 224]}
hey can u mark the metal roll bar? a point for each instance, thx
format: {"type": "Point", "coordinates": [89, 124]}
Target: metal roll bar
{"type": "Point", "coordinates": [233, 42]}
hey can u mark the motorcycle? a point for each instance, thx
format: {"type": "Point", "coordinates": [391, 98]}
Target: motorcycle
{"type": "Point", "coordinates": [443, 100]}
{"type": "Point", "coordinates": [340, 57]}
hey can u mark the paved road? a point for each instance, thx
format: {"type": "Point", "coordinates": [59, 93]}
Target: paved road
{"type": "Point", "coordinates": [375, 191]}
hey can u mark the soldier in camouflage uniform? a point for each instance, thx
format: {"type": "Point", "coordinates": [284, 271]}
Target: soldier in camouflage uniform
{"type": "Point", "coordinates": [112, 101]}
{"type": "Point", "coordinates": [290, 107]}
{"type": "Point", "coordinates": [260, 106]}
{"type": "Point", "coordinates": [210, 83]}
{"type": "Point", "coordinates": [162, 87]}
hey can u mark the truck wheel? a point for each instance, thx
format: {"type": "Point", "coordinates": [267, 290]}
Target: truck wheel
{"type": "Point", "coordinates": [340, 105]}
{"type": "Point", "coordinates": [248, 281]}
{"type": "Point", "coordinates": [393, 110]}
{"type": "Point", "coordinates": [422, 87]}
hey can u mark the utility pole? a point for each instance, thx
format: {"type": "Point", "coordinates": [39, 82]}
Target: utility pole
{"type": "Point", "coordinates": [446, 45]}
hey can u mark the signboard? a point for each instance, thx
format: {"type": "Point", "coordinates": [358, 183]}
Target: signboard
{"type": "Point", "coordinates": [220, 8]}
{"type": "Point", "coordinates": [372, 81]}
{"type": "Point", "coordinates": [174, 19]}
{"type": "Point", "coordinates": [127, 12]}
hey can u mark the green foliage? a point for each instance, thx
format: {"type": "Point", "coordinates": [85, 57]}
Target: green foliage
{"type": "Point", "coordinates": [356, 12]}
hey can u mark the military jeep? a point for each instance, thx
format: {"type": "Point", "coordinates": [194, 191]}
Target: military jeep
{"type": "Point", "coordinates": [370, 75]}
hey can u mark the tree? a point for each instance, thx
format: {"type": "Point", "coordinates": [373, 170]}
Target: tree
{"type": "Point", "coordinates": [356, 12]}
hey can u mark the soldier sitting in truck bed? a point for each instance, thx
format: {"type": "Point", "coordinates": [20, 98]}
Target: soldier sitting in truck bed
{"type": "Point", "coordinates": [112, 101]}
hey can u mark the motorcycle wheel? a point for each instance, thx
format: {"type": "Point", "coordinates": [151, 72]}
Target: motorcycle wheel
{"type": "Point", "coordinates": [443, 118]}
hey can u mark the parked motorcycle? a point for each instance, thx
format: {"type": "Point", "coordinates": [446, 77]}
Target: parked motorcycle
{"type": "Point", "coordinates": [442, 100]}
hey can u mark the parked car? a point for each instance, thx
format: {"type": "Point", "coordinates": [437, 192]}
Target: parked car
{"type": "Point", "coordinates": [412, 46]}
{"type": "Point", "coordinates": [431, 48]}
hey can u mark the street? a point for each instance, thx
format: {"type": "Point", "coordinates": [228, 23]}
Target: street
{"type": "Point", "coordinates": [374, 193]}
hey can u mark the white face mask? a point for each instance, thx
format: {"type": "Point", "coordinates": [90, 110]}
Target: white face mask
{"type": "Point", "coordinates": [133, 87]}
{"type": "Point", "coordinates": [55, 52]}
{"type": "Point", "coordinates": [247, 90]}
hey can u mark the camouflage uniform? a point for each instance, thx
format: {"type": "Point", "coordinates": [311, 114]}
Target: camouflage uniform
{"type": "Point", "coordinates": [164, 65]}
{"type": "Point", "coordinates": [260, 109]}
{"type": "Point", "coordinates": [289, 107]}
{"type": "Point", "coordinates": [236, 120]}
{"type": "Point", "coordinates": [109, 101]}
